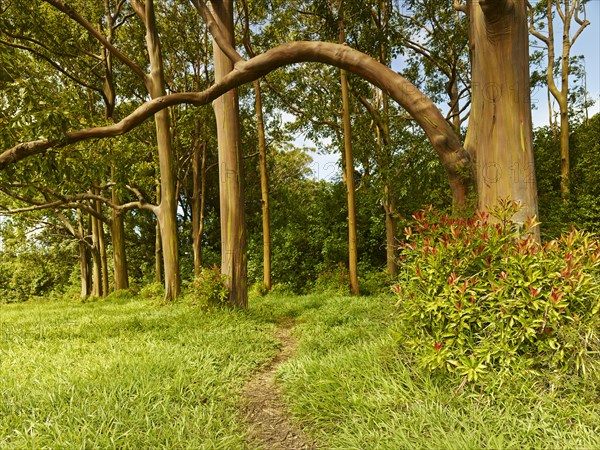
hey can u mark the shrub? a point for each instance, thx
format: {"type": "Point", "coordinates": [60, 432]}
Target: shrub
{"type": "Point", "coordinates": [335, 281]}
{"type": "Point", "coordinates": [153, 290]}
{"type": "Point", "coordinates": [374, 282]}
{"type": "Point", "coordinates": [479, 294]}
{"type": "Point", "coordinates": [209, 288]}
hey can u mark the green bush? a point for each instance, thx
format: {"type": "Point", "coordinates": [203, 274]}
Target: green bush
{"type": "Point", "coordinates": [209, 288]}
{"type": "Point", "coordinates": [153, 290]}
{"type": "Point", "coordinates": [374, 282]}
{"type": "Point", "coordinates": [478, 295]}
{"type": "Point", "coordinates": [333, 281]}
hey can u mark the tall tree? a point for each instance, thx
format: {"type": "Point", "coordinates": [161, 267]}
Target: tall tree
{"type": "Point", "coordinates": [569, 12]}
{"type": "Point", "coordinates": [348, 165]}
{"type": "Point", "coordinates": [498, 138]}
{"type": "Point", "coordinates": [500, 134]}
{"type": "Point", "coordinates": [234, 264]}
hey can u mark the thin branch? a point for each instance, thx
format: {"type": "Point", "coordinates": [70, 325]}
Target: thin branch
{"type": "Point", "coordinates": [52, 63]}
{"type": "Point", "coordinates": [69, 11]}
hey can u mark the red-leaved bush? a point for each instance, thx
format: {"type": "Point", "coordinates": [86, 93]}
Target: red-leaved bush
{"type": "Point", "coordinates": [479, 294]}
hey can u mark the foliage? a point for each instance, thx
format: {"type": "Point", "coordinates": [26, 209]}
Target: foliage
{"type": "Point", "coordinates": [374, 281]}
{"type": "Point", "coordinates": [153, 290]}
{"type": "Point", "coordinates": [335, 281]}
{"type": "Point", "coordinates": [583, 207]}
{"type": "Point", "coordinates": [480, 294]}
{"type": "Point", "coordinates": [29, 270]}
{"type": "Point", "coordinates": [209, 288]}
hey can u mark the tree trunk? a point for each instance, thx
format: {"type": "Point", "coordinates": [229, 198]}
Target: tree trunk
{"type": "Point", "coordinates": [350, 190]}
{"type": "Point", "coordinates": [96, 262]}
{"type": "Point", "coordinates": [121, 275]}
{"type": "Point", "coordinates": [349, 178]}
{"type": "Point", "coordinates": [391, 224]}
{"type": "Point", "coordinates": [84, 260]}
{"type": "Point", "coordinates": [166, 211]}
{"type": "Point", "coordinates": [233, 222]}
{"type": "Point", "coordinates": [264, 187]}
{"type": "Point", "coordinates": [499, 136]}
{"type": "Point", "coordinates": [198, 193]}
{"type": "Point", "coordinates": [102, 249]}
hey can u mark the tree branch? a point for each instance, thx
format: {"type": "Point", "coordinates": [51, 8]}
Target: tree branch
{"type": "Point", "coordinates": [69, 11]}
{"type": "Point", "coordinates": [453, 156]}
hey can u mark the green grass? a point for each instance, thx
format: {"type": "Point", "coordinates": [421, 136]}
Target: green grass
{"type": "Point", "coordinates": [352, 388]}
{"type": "Point", "coordinates": [127, 373]}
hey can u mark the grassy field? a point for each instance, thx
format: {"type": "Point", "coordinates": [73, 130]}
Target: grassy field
{"type": "Point", "coordinates": [127, 373]}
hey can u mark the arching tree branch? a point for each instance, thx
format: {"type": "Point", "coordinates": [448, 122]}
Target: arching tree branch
{"type": "Point", "coordinates": [453, 156]}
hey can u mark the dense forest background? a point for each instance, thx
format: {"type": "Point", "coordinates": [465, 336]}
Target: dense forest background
{"type": "Point", "coordinates": [60, 209]}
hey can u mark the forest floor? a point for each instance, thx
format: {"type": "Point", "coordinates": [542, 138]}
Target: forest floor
{"type": "Point", "coordinates": [291, 372]}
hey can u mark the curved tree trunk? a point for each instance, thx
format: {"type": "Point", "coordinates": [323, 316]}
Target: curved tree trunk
{"type": "Point", "coordinates": [499, 136]}
{"type": "Point", "coordinates": [233, 221]}
{"type": "Point", "coordinates": [454, 159]}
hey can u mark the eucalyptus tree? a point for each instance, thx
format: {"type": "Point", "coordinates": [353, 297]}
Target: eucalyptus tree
{"type": "Point", "coordinates": [542, 16]}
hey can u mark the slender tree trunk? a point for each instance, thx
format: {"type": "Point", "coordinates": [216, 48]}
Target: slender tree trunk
{"type": "Point", "coordinates": [158, 253]}
{"type": "Point", "coordinates": [84, 260]}
{"type": "Point", "coordinates": [391, 225]}
{"type": "Point", "coordinates": [96, 262]}
{"type": "Point", "coordinates": [233, 222]}
{"type": "Point", "coordinates": [198, 192]}
{"type": "Point", "coordinates": [166, 211]}
{"type": "Point", "coordinates": [565, 160]}
{"type": "Point", "coordinates": [121, 273]}
{"type": "Point", "coordinates": [499, 136]}
{"type": "Point", "coordinates": [384, 143]}
{"type": "Point", "coordinates": [102, 250]}
{"type": "Point", "coordinates": [349, 177]}
{"type": "Point", "coordinates": [264, 187]}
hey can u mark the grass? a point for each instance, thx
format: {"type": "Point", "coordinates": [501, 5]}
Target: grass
{"type": "Point", "coordinates": [352, 388]}
{"type": "Point", "coordinates": [126, 373]}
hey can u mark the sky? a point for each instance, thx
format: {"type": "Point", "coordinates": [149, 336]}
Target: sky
{"type": "Point", "coordinates": [588, 44]}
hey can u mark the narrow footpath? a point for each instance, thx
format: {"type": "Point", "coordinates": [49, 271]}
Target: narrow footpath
{"type": "Point", "coordinates": [269, 422]}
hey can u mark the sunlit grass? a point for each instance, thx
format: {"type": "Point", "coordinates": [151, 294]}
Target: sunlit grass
{"type": "Point", "coordinates": [125, 374]}
{"type": "Point", "coordinates": [352, 387]}
{"type": "Point", "coordinates": [128, 373]}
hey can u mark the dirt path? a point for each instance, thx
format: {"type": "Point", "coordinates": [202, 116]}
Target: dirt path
{"type": "Point", "coordinates": [269, 422]}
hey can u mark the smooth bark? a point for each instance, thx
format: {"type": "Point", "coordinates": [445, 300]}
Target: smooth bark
{"type": "Point", "coordinates": [233, 221]}
{"type": "Point", "coordinates": [96, 262]}
{"type": "Point", "coordinates": [264, 187]}
{"type": "Point", "coordinates": [166, 212]}
{"type": "Point", "coordinates": [84, 259]}
{"type": "Point", "coordinates": [198, 196]}
{"type": "Point", "coordinates": [102, 250]}
{"type": "Point", "coordinates": [117, 226]}
{"type": "Point", "coordinates": [453, 157]}
{"type": "Point", "coordinates": [349, 176]}
{"type": "Point", "coordinates": [567, 11]}
{"type": "Point", "coordinates": [499, 136]}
